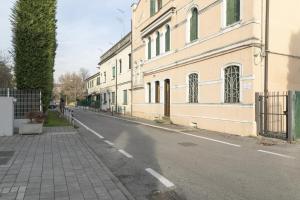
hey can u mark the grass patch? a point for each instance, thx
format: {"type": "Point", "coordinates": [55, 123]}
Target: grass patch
{"type": "Point", "coordinates": [54, 119]}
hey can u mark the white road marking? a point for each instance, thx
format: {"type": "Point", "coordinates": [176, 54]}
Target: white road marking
{"type": "Point", "coordinates": [174, 130]}
{"type": "Point", "coordinates": [89, 129]}
{"type": "Point", "coordinates": [108, 142]}
{"type": "Point", "coordinates": [276, 154]}
{"type": "Point", "coordinates": [162, 179]}
{"type": "Point", "coordinates": [125, 153]}
{"type": "Point", "coordinates": [213, 140]}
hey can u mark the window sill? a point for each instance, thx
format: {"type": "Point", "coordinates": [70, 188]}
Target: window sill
{"type": "Point", "coordinates": [231, 26]}
{"type": "Point", "coordinates": [192, 43]}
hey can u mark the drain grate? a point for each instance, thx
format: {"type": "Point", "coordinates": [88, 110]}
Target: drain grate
{"type": "Point", "coordinates": [5, 157]}
{"type": "Point", "coordinates": [187, 144]}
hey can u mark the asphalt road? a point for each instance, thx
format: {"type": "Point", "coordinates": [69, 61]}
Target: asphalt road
{"type": "Point", "coordinates": [206, 167]}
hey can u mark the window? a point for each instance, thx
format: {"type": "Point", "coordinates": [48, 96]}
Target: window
{"type": "Point", "coordinates": [104, 77]}
{"type": "Point", "coordinates": [149, 48]}
{"type": "Point", "coordinates": [155, 6]}
{"type": "Point", "coordinates": [152, 7]}
{"type": "Point", "coordinates": [98, 80]}
{"type": "Point", "coordinates": [120, 66]}
{"type": "Point", "coordinates": [194, 25]}
{"type": "Point", "coordinates": [113, 72]}
{"type": "Point", "coordinates": [193, 88]}
{"type": "Point", "coordinates": [167, 38]}
{"type": "Point", "coordinates": [104, 98]}
{"type": "Point", "coordinates": [130, 62]}
{"type": "Point", "coordinates": [149, 92]}
{"type": "Point", "coordinates": [232, 84]}
{"type": "Point", "coordinates": [113, 97]}
{"type": "Point", "coordinates": [233, 11]}
{"type": "Point", "coordinates": [157, 44]}
{"type": "Point", "coordinates": [157, 92]}
{"type": "Point", "coordinates": [124, 97]}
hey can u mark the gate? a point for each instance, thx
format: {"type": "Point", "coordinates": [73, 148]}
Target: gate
{"type": "Point", "coordinates": [272, 114]}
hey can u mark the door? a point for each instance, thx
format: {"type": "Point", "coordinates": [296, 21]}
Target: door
{"type": "Point", "coordinates": [167, 98]}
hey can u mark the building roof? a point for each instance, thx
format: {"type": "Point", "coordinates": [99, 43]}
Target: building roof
{"type": "Point", "coordinates": [119, 46]}
{"type": "Point", "coordinates": [93, 76]}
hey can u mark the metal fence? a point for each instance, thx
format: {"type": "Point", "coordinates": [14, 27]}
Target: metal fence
{"type": "Point", "coordinates": [272, 114]}
{"type": "Point", "coordinates": [26, 101]}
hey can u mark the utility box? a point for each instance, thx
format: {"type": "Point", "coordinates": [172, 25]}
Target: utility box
{"type": "Point", "coordinates": [6, 116]}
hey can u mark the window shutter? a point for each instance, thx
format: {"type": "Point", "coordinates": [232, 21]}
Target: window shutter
{"type": "Point", "coordinates": [233, 11]}
{"type": "Point", "coordinates": [157, 44]}
{"type": "Point", "coordinates": [149, 49]}
{"type": "Point", "coordinates": [167, 45]}
{"type": "Point", "coordinates": [152, 7]}
{"type": "Point", "coordinates": [194, 25]}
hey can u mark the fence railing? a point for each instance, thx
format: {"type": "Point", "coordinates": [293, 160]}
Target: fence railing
{"type": "Point", "coordinates": [26, 101]}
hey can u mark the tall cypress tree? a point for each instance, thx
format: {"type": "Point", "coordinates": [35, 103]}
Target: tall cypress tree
{"type": "Point", "coordinates": [34, 43]}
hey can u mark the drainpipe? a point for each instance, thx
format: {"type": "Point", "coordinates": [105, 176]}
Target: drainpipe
{"type": "Point", "coordinates": [267, 31]}
{"type": "Point", "coordinates": [266, 84]}
{"type": "Point", "coordinates": [131, 62]}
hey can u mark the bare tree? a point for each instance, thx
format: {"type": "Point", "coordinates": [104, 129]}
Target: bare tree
{"type": "Point", "coordinates": [73, 85]}
{"type": "Point", "coordinates": [6, 76]}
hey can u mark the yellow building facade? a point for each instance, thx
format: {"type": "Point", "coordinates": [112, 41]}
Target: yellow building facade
{"type": "Point", "coordinates": [199, 63]}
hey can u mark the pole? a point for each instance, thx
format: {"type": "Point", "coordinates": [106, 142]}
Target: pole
{"type": "Point", "coordinates": [116, 100]}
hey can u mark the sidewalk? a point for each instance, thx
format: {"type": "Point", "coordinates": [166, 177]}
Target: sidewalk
{"type": "Point", "coordinates": [55, 165]}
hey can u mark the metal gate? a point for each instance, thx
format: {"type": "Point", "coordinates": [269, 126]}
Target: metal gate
{"type": "Point", "coordinates": [272, 114]}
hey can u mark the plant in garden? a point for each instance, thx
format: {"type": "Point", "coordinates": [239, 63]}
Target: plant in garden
{"type": "Point", "coordinates": [34, 45]}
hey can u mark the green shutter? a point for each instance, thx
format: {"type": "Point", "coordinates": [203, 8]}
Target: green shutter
{"type": "Point", "coordinates": [149, 48]}
{"type": "Point", "coordinates": [167, 39]}
{"type": "Point", "coordinates": [157, 44]}
{"type": "Point", "coordinates": [152, 7]}
{"type": "Point", "coordinates": [114, 72]}
{"type": "Point", "coordinates": [194, 25]}
{"type": "Point", "coordinates": [232, 12]}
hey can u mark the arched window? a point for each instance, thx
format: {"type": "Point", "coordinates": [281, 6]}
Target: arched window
{"type": "Point", "coordinates": [193, 88]}
{"type": "Point", "coordinates": [194, 25]}
{"type": "Point", "coordinates": [157, 44]}
{"type": "Point", "coordinates": [232, 84]}
{"type": "Point", "coordinates": [233, 11]}
{"type": "Point", "coordinates": [149, 48]}
{"type": "Point", "coordinates": [167, 39]}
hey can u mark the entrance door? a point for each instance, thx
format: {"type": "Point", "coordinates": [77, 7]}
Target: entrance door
{"type": "Point", "coordinates": [167, 98]}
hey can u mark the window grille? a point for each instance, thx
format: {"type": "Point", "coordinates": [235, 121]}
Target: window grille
{"type": "Point", "coordinates": [193, 88]}
{"type": "Point", "coordinates": [232, 84]}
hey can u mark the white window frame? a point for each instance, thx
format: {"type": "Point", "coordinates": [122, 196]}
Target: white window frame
{"type": "Point", "coordinates": [224, 14]}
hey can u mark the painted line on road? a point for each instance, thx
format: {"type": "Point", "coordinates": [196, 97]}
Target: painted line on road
{"type": "Point", "coordinates": [210, 139]}
{"type": "Point", "coordinates": [162, 179]}
{"type": "Point", "coordinates": [276, 154]}
{"type": "Point", "coordinates": [109, 143]}
{"type": "Point", "coordinates": [125, 153]}
{"type": "Point", "coordinates": [89, 129]}
{"type": "Point", "coordinates": [174, 130]}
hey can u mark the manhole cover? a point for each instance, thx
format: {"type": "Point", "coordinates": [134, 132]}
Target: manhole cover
{"type": "Point", "coordinates": [5, 156]}
{"type": "Point", "coordinates": [187, 144]}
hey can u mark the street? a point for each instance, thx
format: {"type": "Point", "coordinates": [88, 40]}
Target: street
{"type": "Point", "coordinates": [150, 161]}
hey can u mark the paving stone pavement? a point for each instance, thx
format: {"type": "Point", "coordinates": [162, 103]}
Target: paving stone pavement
{"type": "Point", "coordinates": [55, 166]}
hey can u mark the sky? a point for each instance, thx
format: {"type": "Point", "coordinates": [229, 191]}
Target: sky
{"type": "Point", "coordinates": [86, 29]}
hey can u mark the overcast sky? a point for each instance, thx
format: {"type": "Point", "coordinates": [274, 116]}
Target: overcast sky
{"type": "Point", "coordinates": [86, 29]}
